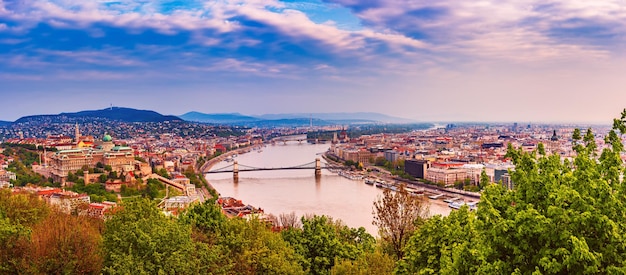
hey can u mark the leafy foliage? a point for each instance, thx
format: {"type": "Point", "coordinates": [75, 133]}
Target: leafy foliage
{"type": "Point", "coordinates": [141, 239]}
{"type": "Point", "coordinates": [64, 244]}
{"type": "Point", "coordinates": [562, 218]}
{"type": "Point", "coordinates": [96, 191]}
{"type": "Point", "coordinates": [449, 245]}
{"type": "Point", "coordinates": [240, 246]}
{"type": "Point", "coordinates": [321, 242]}
{"type": "Point", "coordinates": [37, 240]}
{"type": "Point", "coordinates": [375, 263]}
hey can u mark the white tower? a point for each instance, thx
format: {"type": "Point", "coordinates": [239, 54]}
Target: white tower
{"type": "Point", "coordinates": [77, 133]}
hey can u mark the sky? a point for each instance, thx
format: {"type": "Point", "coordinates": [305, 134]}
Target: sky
{"type": "Point", "coordinates": [446, 60]}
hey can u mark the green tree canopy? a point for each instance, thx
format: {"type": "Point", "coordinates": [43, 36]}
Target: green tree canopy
{"type": "Point", "coordinates": [562, 218]}
{"type": "Point", "coordinates": [322, 241]}
{"type": "Point", "coordinates": [140, 239]}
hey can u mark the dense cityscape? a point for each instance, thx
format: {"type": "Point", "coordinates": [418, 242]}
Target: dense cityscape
{"type": "Point", "coordinates": [78, 169]}
{"type": "Point", "coordinates": [323, 137]}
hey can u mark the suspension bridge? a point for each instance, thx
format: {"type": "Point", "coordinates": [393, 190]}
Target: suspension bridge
{"type": "Point", "coordinates": [285, 139]}
{"type": "Point", "coordinates": [316, 165]}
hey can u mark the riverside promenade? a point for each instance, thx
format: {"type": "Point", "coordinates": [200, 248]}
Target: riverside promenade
{"type": "Point", "coordinates": [207, 166]}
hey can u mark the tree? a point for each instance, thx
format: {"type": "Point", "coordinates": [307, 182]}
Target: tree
{"type": "Point", "coordinates": [18, 213]}
{"type": "Point", "coordinates": [371, 263]}
{"type": "Point", "coordinates": [10, 251]}
{"type": "Point", "coordinates": [112, 175]}
{"type": "Point", "coordinates": [397, 215]}
{"type": "Point", "coordinates": [153, 189]}
{"type": "Point", "coordinates": [484, 179]}
{"type": "Point", "coordinates": [64, 244]}
{"type": "Point", "coordinates": [238, 246]}
{"type": "Point", "coordinates": [560, 218]}
{"type": "Point", "coordinates": [380, 161]}
{"type": "Point", "coordinates": [206, 218]}
{"type": "Point", "coordinates": [139, 238]}
{"type": "Point", "coordinates": [322, 242]}
{"type": "Point", "coordinates": [444, 245]}
{"type": "Point", "coordinates": [23, 209]}
{"type": "Point", "coordinates": [289, 220]}
{"type": "Point", "coordinates": [254, 249]}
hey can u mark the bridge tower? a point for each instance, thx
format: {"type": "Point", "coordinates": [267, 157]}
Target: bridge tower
{"type": "Point", "coordinates": [236, 171]}
{"type": "Point", "coordinates": [318, 167]}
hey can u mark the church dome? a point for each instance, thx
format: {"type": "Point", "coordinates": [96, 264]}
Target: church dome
{"type": "Point", "coordinates": [107, 138]}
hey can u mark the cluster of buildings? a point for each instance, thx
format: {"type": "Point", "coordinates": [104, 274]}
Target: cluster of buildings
{"type": "Point", "coordinates": [69, 202]}
{"type": "Point", "coordinates": [131, 159]}
{"type": "Point", "coordinates": [5, 176]}
{"type": "Point", "coordinates": [232, 207]}
{"type": "Point", "coordinates": [42, 127]}
{"type": "Point", "coordinates": [445, 156]}
{"type": "Point", "coordinates": [450, 155]}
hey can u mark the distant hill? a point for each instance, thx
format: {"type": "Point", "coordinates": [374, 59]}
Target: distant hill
{"type": "Point", "coordinates": [114, 113]}
{"type": "Point", "coordinates": [288, 122]}
{"type": "Point", "coordinates": [4, 123]}
{"type": "Point", "coordinates": [359, 117]}
{"type": "Point", "coordinates": [230, 118]}
{"type": "Point", "coordinates": [293, 119]}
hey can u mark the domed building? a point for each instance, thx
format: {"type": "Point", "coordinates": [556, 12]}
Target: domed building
{"type": "Point", "coordinates": [107, 143]}
{"type": "Point", "coordinates": [120, 158]}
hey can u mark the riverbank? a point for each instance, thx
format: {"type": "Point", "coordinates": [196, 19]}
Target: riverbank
{"type": "Point", "coordinates": [210, 163]}
{"type": "Point", "coordinates": [428, 188]}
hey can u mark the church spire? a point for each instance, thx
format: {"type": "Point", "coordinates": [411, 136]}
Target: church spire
{"type": "Point", "coordinates": [77, 133]}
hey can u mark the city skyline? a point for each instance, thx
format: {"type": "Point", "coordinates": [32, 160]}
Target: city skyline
{"type": "Point", "coordinates": [524, 61]}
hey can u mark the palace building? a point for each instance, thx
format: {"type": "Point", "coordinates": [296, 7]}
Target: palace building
{"type": "Point", "coordinates": [120, 158]}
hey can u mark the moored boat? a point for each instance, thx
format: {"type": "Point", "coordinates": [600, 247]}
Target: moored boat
{"type": "Point", "coordinates": [451, 200]}
{"type": "Point", "coordinates": [380, 183]}
{"type": "Point", "coordinates": [459, 203]}
{"type": "Point", "coordinates": [436, 196]}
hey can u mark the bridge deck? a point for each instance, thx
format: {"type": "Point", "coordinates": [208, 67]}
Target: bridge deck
{"type": "Point", "coordinates": [271, 169]}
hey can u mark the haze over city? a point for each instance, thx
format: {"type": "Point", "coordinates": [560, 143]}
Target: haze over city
{"type": "Point", "coordinates": [525, 61]}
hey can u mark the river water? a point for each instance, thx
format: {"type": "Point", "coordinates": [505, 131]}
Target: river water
{"type": "Point", "coordinates": [286, 191]}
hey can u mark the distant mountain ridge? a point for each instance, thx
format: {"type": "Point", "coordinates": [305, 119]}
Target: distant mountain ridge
{"type": "Point", "coordinates": [267, 120]}
{"type": "Point", "coordinates": [217, 118]}
{"type": "Point", "coordinates": [298, 119]}
{"type": "Point", "coordinates": [357, 116]}
{"type": "Point", "coordinates": [114, 113]}
{"type": "Point", "coordinates": [5, 123]}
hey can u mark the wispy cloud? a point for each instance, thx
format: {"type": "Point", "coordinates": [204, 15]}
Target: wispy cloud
{"type": "Point", "coordinates": [528, 30]}
{"type": "Point", "coordinates": [341, 47]}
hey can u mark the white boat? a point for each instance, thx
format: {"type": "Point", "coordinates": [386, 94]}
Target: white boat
{"type": "Point", "coordinates": [349, 175]}
{"type": "Point", "coordinates": [414, 191]}
{"type": "Point", "coordinates": [381, 183]}
{"type": "Point", "coordinates": [391, 187]}
{"type": "Point", "coordinates": [370, 181]}
{"type": "Point", "coordinates": [436, 196]}
{"type": "Point", "coordinates": [459, 203]}
{"type": "Point", "coordinates": [451, 200]}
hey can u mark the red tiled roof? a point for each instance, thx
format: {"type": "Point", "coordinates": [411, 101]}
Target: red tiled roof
{"type": "Point", "coordinates": [48, 191]}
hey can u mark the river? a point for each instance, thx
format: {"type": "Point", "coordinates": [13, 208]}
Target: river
{"type": "Point", "coordinates": [285, 191]}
